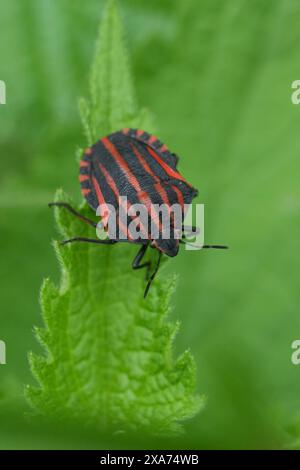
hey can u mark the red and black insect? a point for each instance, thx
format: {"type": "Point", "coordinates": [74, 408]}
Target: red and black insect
{"type": "Point", "coordinates": [137, 165]}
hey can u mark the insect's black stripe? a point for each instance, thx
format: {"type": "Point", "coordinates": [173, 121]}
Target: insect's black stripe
{"type": "Point", "coordinates": [153, 164]}
{"type": "Point", "coordinates": [86, 173]}
{"type": "Point", "coordinates": [142, 191]}
{"type": "Point", "coordinates": [93, 179]}
{"type": "Point", "coordinates": [84, 170]}
{"type": "Point", "coordinates": [85, 180]}
{"type": "Point", "coordinates": [156, 144]}
{"type": "Point", "coordinates": [146, 138]}
{"type": "Point", "coordinates": [165, 191]}
{"type": "Point", "coordinates": [124, 206]}
{"type": "Point", "coordinates": [144, 178]}
{"type": "Point", "coordinates": [116, 178]}
{"type": "Point", "coordinates": [109, 192]}
{"type": "Point", "coordinates": [177, 190]}
{"type": "Point", "coordinates": [160, 193]}
{"type": "Point", "coordinates": [130, 177]}
{"type": "Point", "coordinates": [187, 193]}
{"type": "Point", "coordinates": [169, 171]}
{"type": "Point", "coordinates": [139, 162]}
{"type": "Point", "coordinates": [147, 180]}
{"type": "Point", "coordinates": [121, 181]}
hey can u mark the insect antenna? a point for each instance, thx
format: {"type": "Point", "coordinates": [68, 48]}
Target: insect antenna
{"type": "Point", "coordinates": [218, 247]}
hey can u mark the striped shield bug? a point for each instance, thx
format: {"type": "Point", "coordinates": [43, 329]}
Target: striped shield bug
{"type": "Point", "coordinates": [135, 165]}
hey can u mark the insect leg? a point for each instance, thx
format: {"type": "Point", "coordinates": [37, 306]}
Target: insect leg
{"type": "Point", "coordinates": [74, 212]}
{"type": "Point", "coordinates": [107, 241]}
{"type": "Point", "coordinates": [89, 240]}
{"type": "Point", "coordinates": [136, 264]}
{"type": "Point", "coordinates": [220, 247]}
{"type": "Point", "coordinates": [153, 274]}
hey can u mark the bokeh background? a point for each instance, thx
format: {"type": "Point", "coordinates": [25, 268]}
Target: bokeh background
{"type": "Point", "coordinates": [217, 76]}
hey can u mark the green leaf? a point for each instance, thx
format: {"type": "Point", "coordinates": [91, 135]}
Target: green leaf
{"type": "Point", "coordinates": [108, 356]}
{"type": "Point", "coordinates": [112, 103]}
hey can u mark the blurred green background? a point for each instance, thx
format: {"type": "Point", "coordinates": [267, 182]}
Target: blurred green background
{"type": "Point", "coordinates": [217, 75]}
